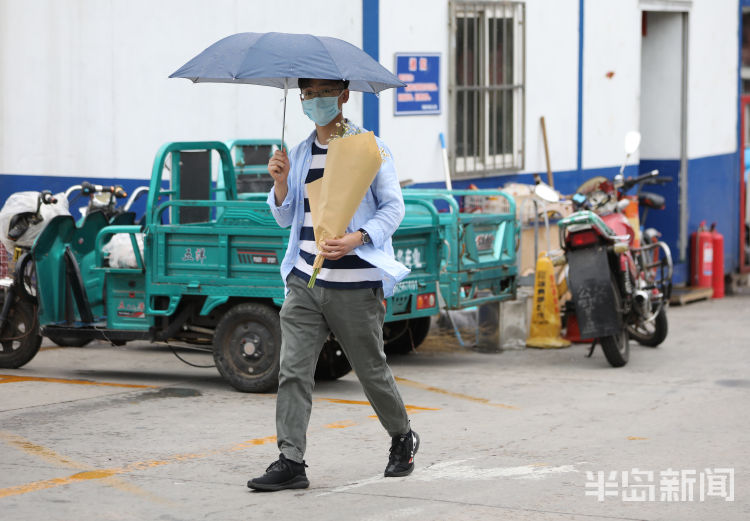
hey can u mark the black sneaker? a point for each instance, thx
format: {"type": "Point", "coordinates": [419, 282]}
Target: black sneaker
{"type": "Point", "coordinates": [403, 449]}
{"type": "Point", "coordinates": [282, 474]}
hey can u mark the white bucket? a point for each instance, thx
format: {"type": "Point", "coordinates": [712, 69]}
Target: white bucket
{"type": "Point", "coordinates": [514, 320]}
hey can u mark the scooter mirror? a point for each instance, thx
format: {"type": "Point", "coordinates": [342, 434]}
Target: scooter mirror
{"type": "Point", "coordinates": [632, 141]}
{"type": "Point", "coordinates": [546, 192]}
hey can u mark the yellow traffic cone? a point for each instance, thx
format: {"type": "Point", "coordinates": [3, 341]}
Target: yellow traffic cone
{"type": "Point", "coordinates": [545, 315]}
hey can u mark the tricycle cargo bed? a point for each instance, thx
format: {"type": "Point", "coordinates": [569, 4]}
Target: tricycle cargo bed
{"type": "Point", "coordinates": [236, 254]}
{"type": "Point", "coordinates": [478, 250]}
{"type": "Point", "coordinates": [471, 256]}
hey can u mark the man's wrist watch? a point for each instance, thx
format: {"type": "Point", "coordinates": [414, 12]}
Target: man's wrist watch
{"type": "Point", "coordinates": [365, 236]}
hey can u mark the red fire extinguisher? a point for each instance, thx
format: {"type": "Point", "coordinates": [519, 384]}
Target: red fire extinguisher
{"type": "Point", "coordinates": [717, 240]}
{"type": "Point", "coordinates": [702, 257]}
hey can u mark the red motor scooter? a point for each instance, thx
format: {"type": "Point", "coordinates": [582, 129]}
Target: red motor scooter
{"type": "Point", "coordinates": [620, 288]}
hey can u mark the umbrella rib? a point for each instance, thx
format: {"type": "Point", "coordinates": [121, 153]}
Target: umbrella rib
{"type": "Point", "coordinates": [330, 57]}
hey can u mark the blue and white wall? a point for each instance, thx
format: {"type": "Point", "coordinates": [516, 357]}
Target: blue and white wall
{"type": "Point", "coordinates": [85, 88]}
{"type": "Point", "coordinates": [85, 92]}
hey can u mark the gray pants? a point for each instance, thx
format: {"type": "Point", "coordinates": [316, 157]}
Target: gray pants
{"type": "Point", "coordinates": [355, 316]}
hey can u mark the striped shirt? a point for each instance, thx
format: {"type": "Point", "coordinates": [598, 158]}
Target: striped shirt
{"type": "Point", "coordinates": [348, 272]}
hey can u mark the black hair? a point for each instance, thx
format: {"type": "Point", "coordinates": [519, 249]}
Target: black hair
{"type": "Point", "coordinates": [303, 83]}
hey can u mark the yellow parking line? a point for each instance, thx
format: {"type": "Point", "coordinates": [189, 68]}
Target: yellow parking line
{"type": "Point", "coordinates": [51, 456]}
{"type": "Point", "coordinates": [37, 450]}
{"type": "Point", "coordinates": [106, 475]}
{"type": "Point", "coordinates": [409, 408]}
{"type": "Point", "coordinates": [109, 474]}
{"type": "Point", "coordinates": [42, 485]}
{"type": "Point", "coordinates": [340, 425]}
{"type": "Point", "coordinates": [9, 379]}
{"type": "Point", "coordinates": [249, 443]}
{"type": "Point", "coordinates": [485, 401]}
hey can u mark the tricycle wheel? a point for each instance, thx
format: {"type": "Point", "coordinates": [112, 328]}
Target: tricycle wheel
{"type": "Point", "coordinates": [68, 341]}
{"type": "Point", "coordinates": [247, 343]}
{"type": "Point", "coordinates": [403, 336]}
{"type": "Point", "coordinates": [332, 362]}
{"type": "Point", "coordinates": [19, 338]}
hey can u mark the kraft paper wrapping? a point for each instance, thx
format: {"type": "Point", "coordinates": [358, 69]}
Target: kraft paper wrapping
{"type": "Point", "coordinates": [351, 165]}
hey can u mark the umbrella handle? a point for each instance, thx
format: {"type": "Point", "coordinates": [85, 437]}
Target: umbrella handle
{"type": "Point", "coordinates": [283, 117]}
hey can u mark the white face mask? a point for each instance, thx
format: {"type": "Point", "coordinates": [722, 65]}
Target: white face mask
{"type": "Point", "coordinates": [322, 110]}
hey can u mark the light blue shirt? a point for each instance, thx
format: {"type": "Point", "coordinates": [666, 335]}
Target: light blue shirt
{"type": "Point", "coordinates": [380, 214]}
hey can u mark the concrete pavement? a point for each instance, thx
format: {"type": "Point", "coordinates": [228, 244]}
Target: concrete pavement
{"type": "Point", "coordinates": [132, 433]}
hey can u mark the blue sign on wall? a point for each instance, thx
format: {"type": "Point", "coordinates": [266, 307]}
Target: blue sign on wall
{"type": "Point", "coordinates": [421, 73]}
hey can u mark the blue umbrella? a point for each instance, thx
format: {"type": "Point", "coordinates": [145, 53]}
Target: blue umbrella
{"type": "Point", "coordinates": [280, 59]}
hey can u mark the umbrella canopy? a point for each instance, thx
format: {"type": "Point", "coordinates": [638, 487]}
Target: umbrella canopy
{"type": "Point", "coordinates": [280, 59]}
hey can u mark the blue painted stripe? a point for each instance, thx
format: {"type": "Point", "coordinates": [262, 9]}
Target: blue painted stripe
{"type": "Point", "coordinates": [339, 285]}
{"type": "Point", "coordinates": [579, 157]}
{"type": "Point", "coordinates": [565, 181]}
{"type": "Point", "coordinates": [12, 183]}
{"type": "Point", "coordinates": [712, 196]}
{"type": "Point", "coordinates": [740, 160]}
{"type": "Point", "coordinates": [371, 45]}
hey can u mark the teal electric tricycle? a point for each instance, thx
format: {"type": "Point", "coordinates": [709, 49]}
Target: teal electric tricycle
{"type": "Point", "coordinates": [202, 271]}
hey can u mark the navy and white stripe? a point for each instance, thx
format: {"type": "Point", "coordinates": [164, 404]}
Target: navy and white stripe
{"type": "Point", "coordinates": [348, 272]}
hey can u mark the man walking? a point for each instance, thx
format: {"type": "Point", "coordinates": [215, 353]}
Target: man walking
{"type": "Point", "coordinates": [359, 271]}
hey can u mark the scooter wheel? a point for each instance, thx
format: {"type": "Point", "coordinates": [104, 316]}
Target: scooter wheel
{"type": "Point", "coordinates": [19, 337]}
{"type": "Point", "coordinates": [616, 348]}
{"type": "Point", "coordinates": [25, 278]}
{"type": "Point", "coordinates": [654, 333]}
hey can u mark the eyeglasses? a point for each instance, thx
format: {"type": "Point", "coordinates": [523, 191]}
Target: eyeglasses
{"type": "Point", "coordinates": [324, 93]}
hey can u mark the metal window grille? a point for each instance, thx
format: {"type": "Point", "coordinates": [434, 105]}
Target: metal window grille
{"type": "Point", "coordinates": [486, 87]}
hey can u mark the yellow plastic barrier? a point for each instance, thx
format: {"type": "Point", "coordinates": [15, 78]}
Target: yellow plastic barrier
{"type": "Point", "coordinates": [545, 315]}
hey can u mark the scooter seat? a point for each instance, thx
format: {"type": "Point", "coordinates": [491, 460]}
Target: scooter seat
{"type": "Point", "coordinates": [19, 224]}
{"type": "Point", "coordinates": [651, 200]}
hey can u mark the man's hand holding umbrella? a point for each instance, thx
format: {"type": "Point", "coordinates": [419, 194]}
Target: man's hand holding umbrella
{"type": "Point", "coordinates": [278, 167]}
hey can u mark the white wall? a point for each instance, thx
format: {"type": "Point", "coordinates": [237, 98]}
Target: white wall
{"type": "Point", "coordinates": [421, 26]}
{"type": "Point", "coordinates": [611, 108]}
{"type": "Point", "coordinates": [552, 83]}
{"type": "Point", "coordinates": [712, 78]}
{"type": "Point", "coordinates": [85, 87]}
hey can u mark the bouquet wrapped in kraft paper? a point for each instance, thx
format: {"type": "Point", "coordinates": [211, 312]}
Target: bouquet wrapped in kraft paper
{"type": "Point", "coordinates": [352, 162]}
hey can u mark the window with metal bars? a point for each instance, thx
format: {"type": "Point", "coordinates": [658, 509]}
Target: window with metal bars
{"type": "Point", "coordinates": [486, 85]}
